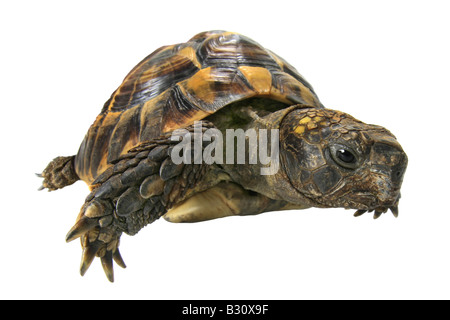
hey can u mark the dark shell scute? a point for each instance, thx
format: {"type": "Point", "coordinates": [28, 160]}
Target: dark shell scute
{"type": "Point", "coordinates": [233, 50]}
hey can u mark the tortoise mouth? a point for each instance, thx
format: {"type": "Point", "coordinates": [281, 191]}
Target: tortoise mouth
{"type": "Point", "coordinates": [362, 202]}
{"type": "Point", "coordinates": [368, 202]}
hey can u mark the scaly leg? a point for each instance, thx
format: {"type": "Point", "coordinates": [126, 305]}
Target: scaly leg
{"type": "Point", "coordinates": [135, 191]}
{"type": "Point", "coordinates": [59, 173]}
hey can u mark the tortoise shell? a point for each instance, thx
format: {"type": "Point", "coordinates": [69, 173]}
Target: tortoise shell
{"type": "Point", "coordinates": [179, 84]}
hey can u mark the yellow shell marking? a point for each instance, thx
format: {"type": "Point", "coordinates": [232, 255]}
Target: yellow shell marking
{"type": "Point", "coordinates": [304, 120]}
{"type": "Point", "coordinates": [259, 78]}
{"type": "Point", "coordinates": [189, 53]}
{"type": "Point", "coordinates": [201, 84]}
{"type": "Point", "coordinates": [299, 129]}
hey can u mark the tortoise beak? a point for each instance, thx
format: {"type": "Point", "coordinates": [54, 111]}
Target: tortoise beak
{"type": "Point", "coordinates": [388, 164]}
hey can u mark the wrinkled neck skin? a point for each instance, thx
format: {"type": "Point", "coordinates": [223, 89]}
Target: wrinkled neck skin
{"type": "Point", "coordinates": [327, 159]}
{"type": "Point", "coordinates": [275, 186]}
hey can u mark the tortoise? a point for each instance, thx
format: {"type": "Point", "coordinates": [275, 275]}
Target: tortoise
{"type": "Point", "coordinates": [219, 81]}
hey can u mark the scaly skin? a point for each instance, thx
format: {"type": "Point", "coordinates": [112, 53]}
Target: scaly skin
{"type": "Point", "coordinates": [313, 142]}
{"type": "Point", "coordinates": [135, 191]}
{"type": "Point", "coordinates": [311, 173]}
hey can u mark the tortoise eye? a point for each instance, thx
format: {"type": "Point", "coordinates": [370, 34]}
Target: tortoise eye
{"type": "Point", "coordinates": [344, 156]}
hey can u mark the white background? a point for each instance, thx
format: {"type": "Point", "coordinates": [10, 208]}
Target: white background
{"type": "Point", "coordinates": [384, 62]}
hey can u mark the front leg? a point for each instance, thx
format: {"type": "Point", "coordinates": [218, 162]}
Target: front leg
{"type": "Point", "coordinates": [135, 191]}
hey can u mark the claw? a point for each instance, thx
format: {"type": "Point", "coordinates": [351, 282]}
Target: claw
{"type": "Point", "coordinates": [394, 211]}
{"type": "Point", "coordinates": [107, 264]}
{"type": "Point", "coordinates": [377, 214]}
{"type": "Point", "coordinates": [118, 259]}
{"type": "Point", "coordinates": [81, 227]}
{"type": "Point", "coordinates": [41, 188]}
{"type": "Point", "coordinates": [88, 256]}
{"type": "Point", "coordinates": [359, 213]}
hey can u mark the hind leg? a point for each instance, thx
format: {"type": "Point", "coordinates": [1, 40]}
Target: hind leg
{"type": "Point", "coordinates": [59, 173]}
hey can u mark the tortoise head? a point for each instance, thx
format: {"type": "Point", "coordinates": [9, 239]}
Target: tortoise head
{"type": "Point", "coordinates": [335, 160]}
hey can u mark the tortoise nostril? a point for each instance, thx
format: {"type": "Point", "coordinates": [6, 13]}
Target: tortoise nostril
{"type": "Point", "coordinates": [397, 175]}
